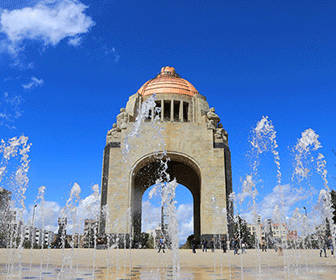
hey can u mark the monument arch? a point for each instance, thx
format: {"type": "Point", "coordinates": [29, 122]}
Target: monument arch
{"type": "Point", "coordinates": [147, 171]}
{"type": "Point", "coordinates": [196, 143]}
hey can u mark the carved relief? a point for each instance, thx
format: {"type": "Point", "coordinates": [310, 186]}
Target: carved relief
{"type": "Point", "coordinates": [213, 119]}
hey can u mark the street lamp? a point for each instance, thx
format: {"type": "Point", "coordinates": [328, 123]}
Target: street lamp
{"type": "Point", "coordinates": [33, 232]}
{"type": "Point", "coordinates": [305, 210]}
{"type": "Point", "coordinates": [33, 215]}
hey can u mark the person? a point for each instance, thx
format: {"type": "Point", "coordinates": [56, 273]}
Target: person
{"type": "Point", "coordinates": [161, 245]}
{"type": "Point", "coordinates": [212, 244]}
{"type": "Point", "coordinates": [263, 246]}
{"type": "Point", "coordinates": [275, 248]}
{"type": "Point", "coordinates": [193, 245]}
{"type": "Point", "coordinates": [243, 248]}
{"type": "Point", "coordinates": [331, 245]}
{"type": "Point", "coordinates": [224, 245]}
{"type": "Point", "coordinates": [204, 245]}
{"type": "Point", "coordinates": [236, 246]}
{"type": "Point", "coordinates": [323, 246]}
{"type": "Point", "coordinates": [280, 250]}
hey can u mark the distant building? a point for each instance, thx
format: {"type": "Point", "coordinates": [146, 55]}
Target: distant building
{"type": "Point", "coordinates": [60, 238]}
{"type": "Point", "coordinates": [48, 238]}
{"type": "Point", "coordinates": [271, 232]}
{"type": "Point", "coordinates": [90, 225]}
{"type": "Point", "coordinates": [90, 231]}
{"type": "Point", "coordinates": [156, 235]}
{"type": "Point", "coordinates": [5, 197]}
{"type": "Point", "coordinates": [38, 237]}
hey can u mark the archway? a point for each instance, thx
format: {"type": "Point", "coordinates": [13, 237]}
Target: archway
{"type": "Point", "coordinates": [153, 215]}
{"type": "Point", "coordinates": [149, 169]}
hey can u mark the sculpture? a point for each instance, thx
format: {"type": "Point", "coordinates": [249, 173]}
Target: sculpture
{"type": "Point", "coordinates": [213, 119]}
{"type": "Point", "coordinates": [114, 132]}
{"type": "Point", "coordinates": [122, 119]}
{"type": "Point", "coordinates": [220, 133]}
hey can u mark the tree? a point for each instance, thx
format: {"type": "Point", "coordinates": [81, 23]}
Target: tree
{"type": "Point", "coordinates": [333, 201]}
{"type": "Point", "coordinates": [27, 244]}
{"type": "Point", "coordinates": [143, 240]}
{"type": "Point", "coordinates": [187, 245]}
{"type": "Point", "coordinates": [327, 228]}
{"type": "Point", "coordinates": [241, 231]}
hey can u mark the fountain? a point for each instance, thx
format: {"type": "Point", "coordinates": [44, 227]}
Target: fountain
{"type": "Point", "coordinates": [286, 229]}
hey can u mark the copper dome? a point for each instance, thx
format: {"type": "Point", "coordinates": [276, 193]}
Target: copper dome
{"type": "Point", "coordinates": [168, 81]}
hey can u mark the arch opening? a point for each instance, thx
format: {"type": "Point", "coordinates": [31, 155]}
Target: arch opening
{"type": "Point", "coordinates": [154, 216]}
{"type": "Point", "coordinates": [149, 170]}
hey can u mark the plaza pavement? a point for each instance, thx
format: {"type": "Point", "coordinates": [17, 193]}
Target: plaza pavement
{"type": "Point", "coordinates": [294, 264]}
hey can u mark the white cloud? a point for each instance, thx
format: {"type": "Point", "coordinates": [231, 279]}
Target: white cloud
{"type": "Point", "coordinates": [48, 21]}
{"type": "Point", "coordinates": [151, 216]}
{"type": "Point", "coordinates": [46, 215]}
{"type": "Point", "coordinates": [75, 41]}
{"type": "Point", "coordinates": [151, 219]}
{"type": "Point", "coordinates": [89, 207]}
{"type": "Point", "coordinates": [283, 196]}
{"type": "Point", "coordinates": [48, 212]}
{"type": "Point", "coordinates": [112, 51]}
{"type": "Point", "coordinates": [10, 109]}
{"type": "Point", "coordinates": [185, 219]}
{"type": "Point", "coordinates": [34, 82]}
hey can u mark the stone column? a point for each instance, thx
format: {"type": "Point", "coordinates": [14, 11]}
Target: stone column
{"type": "Point", "coordinates": [162, 110]}
{"type": "Point", "coordinates": [172, 110]}
{"type": "Point", "coordinates": [181, 111]}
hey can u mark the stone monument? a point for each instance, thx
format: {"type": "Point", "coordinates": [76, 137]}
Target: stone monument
{"type": "Point", "coordinates": [196, 145]}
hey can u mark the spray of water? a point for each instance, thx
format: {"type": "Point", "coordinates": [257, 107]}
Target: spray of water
{"type": "Point", "coordinates": [164, 185]}
{"type": "Point", "coordinates": [14, 166]}
{"type": "Point", "coordinates": [40, 199]}
{"type": "Point", "coordinates": [308, 160]}
{"type": "Point", "coordinates": [69, 218]}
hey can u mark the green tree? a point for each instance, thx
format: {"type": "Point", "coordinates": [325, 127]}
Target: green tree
{"type": "Point", "coordinates": [27, 244]}
{"type": "Point", "coordinates": [241, 231]}
{"type": "Point", "coordinates": [333, 201]}
{"type": "Point", "coordinates": [187, 245]}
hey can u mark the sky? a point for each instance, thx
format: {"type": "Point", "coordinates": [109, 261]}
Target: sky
{"type": "Point", "coordinates": [68, 66]}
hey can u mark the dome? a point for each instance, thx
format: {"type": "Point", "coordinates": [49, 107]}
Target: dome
{"type": "Point", "coordinates": [168, 81]}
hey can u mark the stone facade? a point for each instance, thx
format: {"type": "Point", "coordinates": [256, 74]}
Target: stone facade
{"type": "Point", "coordinates": [197, 147]}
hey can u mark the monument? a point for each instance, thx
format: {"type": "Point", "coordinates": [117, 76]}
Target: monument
{"type": "Point", "coordinates": [195, 143]}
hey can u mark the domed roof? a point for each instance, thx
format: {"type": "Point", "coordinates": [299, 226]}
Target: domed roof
{"type": "Point", "coordinates": [168, 81]}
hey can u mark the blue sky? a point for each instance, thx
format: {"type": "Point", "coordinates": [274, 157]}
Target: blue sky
{"type": "Point", "coordinates": [249, 59]}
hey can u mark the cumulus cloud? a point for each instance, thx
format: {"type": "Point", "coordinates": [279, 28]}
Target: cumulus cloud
{"type": "Point", "coordinates": [151, 219]}
{"type": "Point", "coordinates": [185, 219]}
{"type": "Point", "coordinates": [112, 51]}
{"type": "Point", "coordinates": [45, 215]}
{"type": "Point", "coordinates": [151, 216]}
{"type": "Point", "coordinates": [48, 21]}
{"type": "Point", "coordinates": [281, 196]}
{"type": "Point", "coordinates": [75, 41]}
{"type": "Point", "coordinates": [33, 83]}
{"type": "Point", "coordinates": [10, 109]}
{"type": "Point", "coordinates": [47, 212]}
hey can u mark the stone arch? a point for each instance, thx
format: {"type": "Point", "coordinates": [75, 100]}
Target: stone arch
{"type": "Point", "coordinates": [144, 174]}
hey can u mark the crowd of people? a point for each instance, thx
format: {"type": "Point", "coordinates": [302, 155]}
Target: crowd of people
{"type": "Point", "coordinates": [326, 244]}
{"type": "Point", "coordinates": [239, 246]}
{"type": "Point", "coordinates": [211, 244]}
